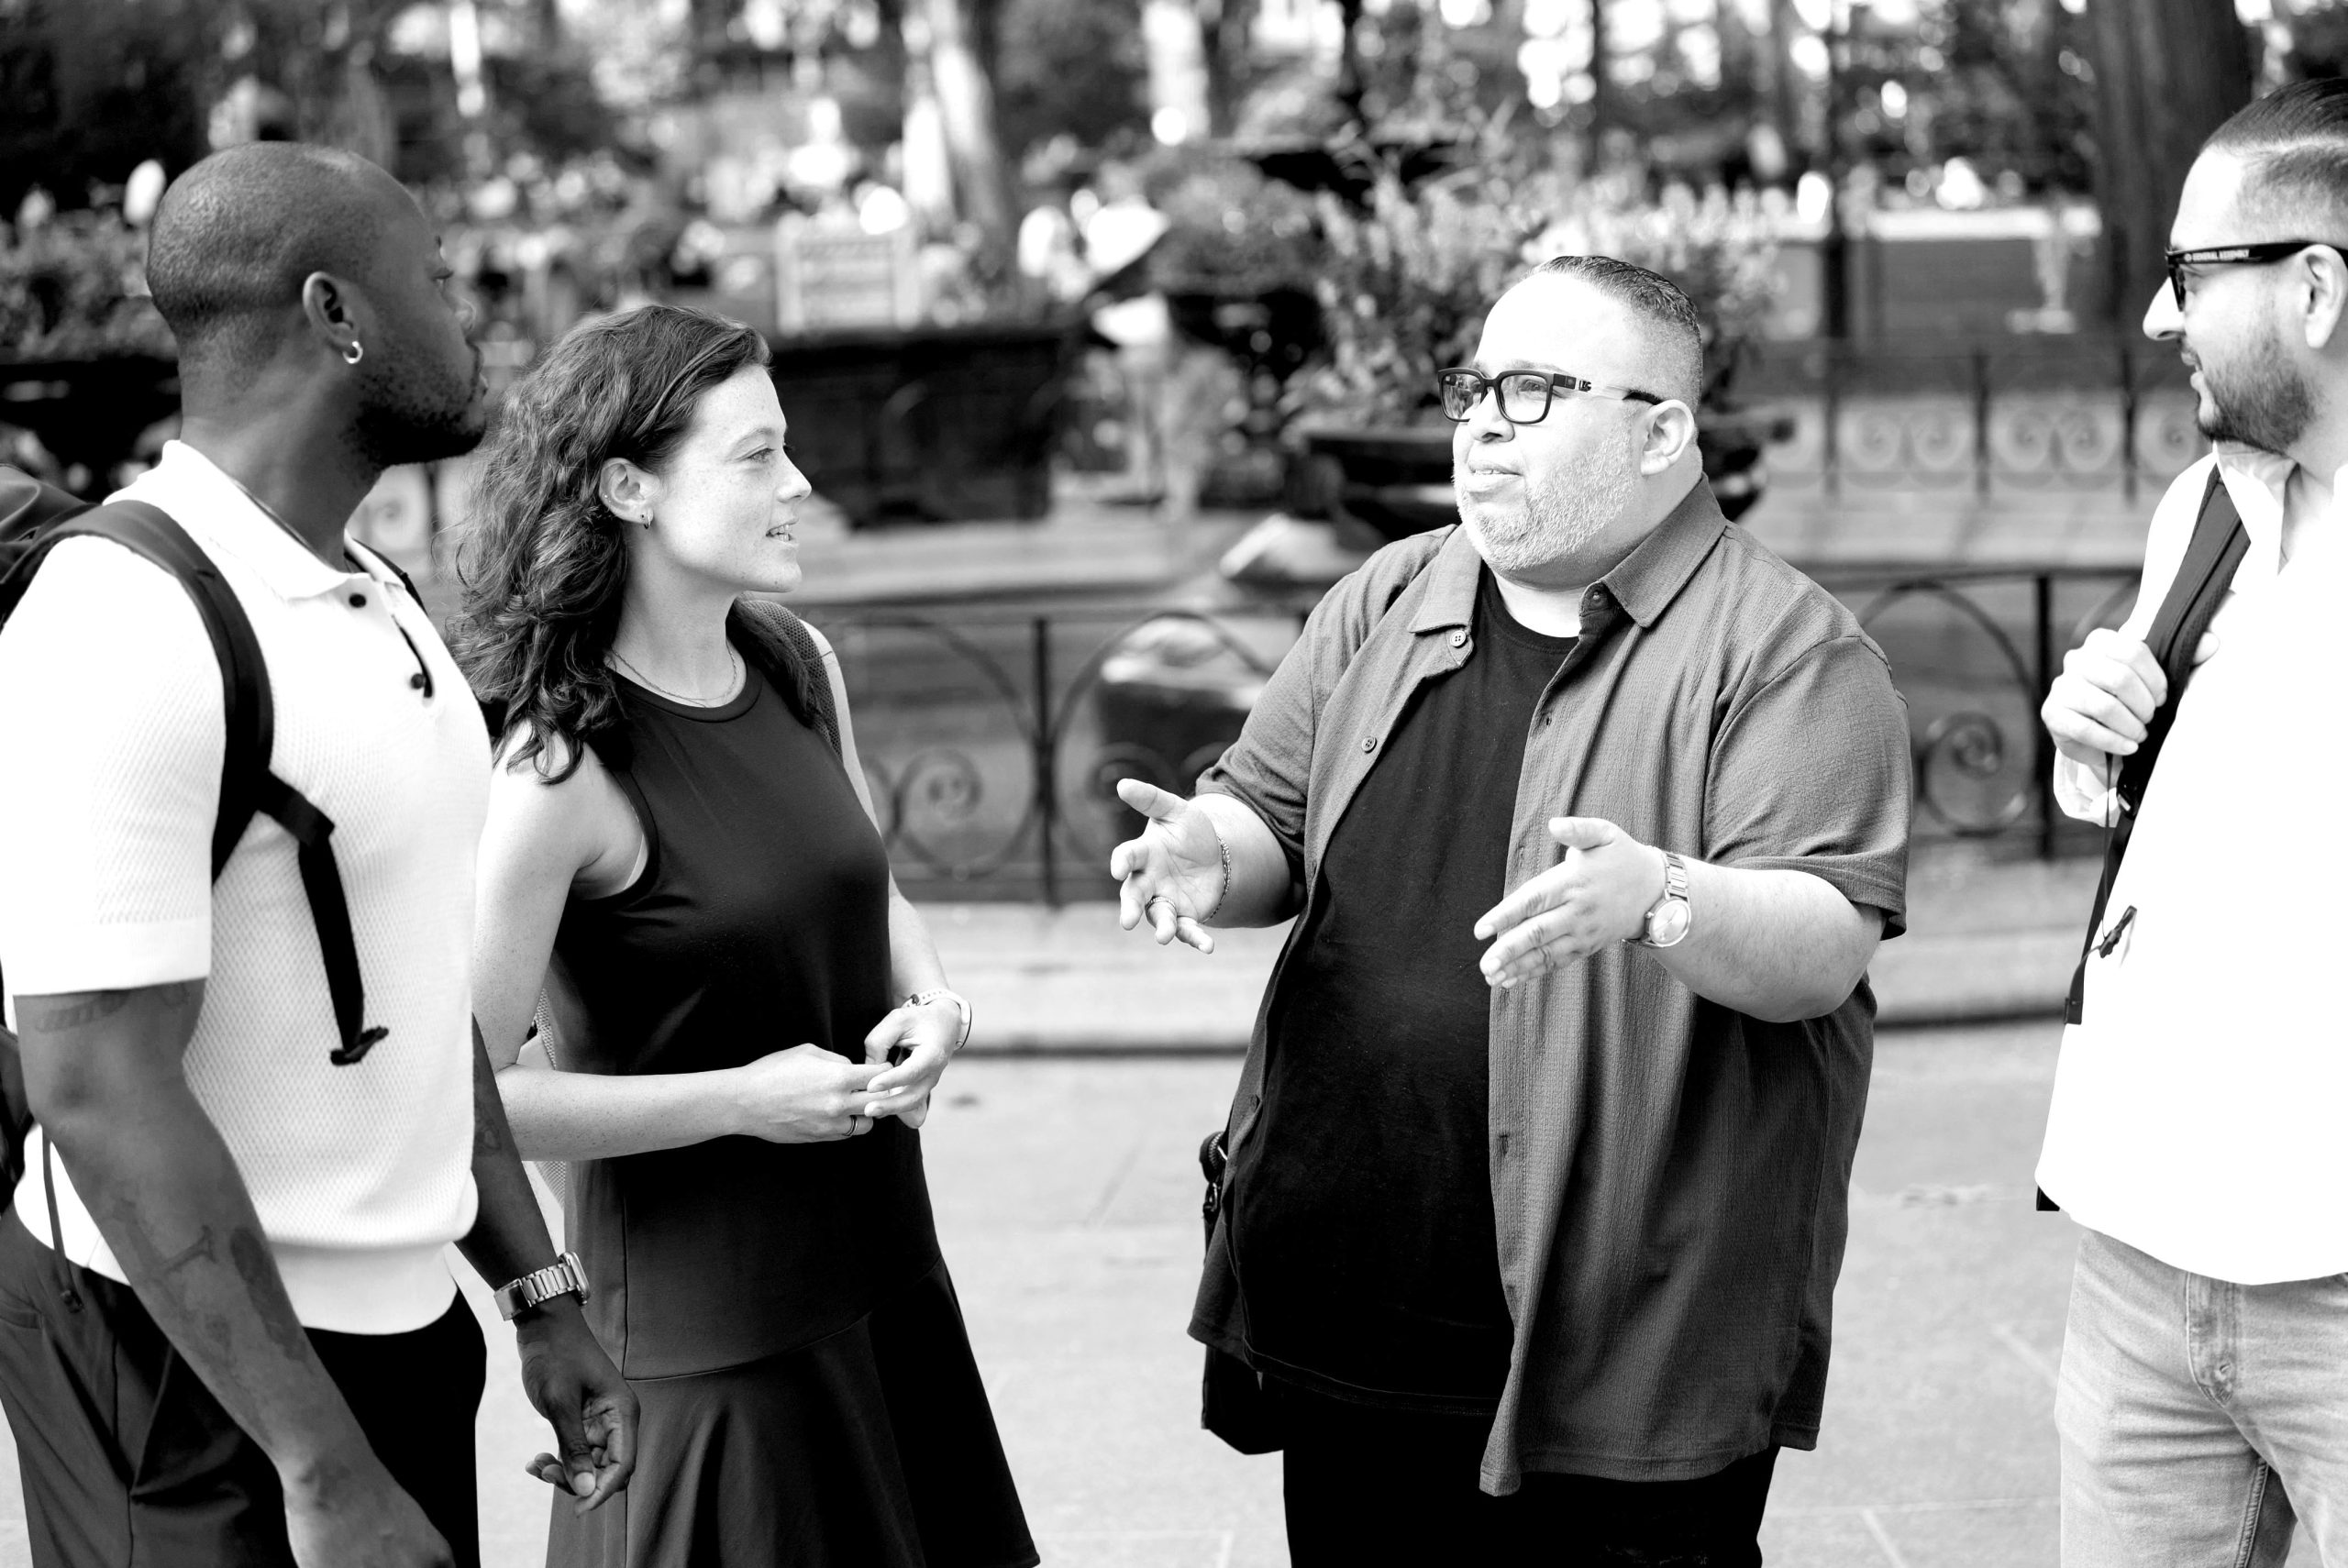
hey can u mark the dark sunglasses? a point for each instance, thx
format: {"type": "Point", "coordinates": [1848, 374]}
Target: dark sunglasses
{"type": "Point", "coordinates": [1525, 395]}
{"type": "Point", "coordinates": [2259, 255]}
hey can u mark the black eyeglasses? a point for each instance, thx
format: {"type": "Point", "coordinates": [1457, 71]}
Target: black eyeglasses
{"type": "Point", "coordinates": [1525, 395]}
{"type": "Point", "coordinates": [2258, 255]}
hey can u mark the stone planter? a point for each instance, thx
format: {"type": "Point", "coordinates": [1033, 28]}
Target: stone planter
{"type": "Point", "coordinates": [931, 425]}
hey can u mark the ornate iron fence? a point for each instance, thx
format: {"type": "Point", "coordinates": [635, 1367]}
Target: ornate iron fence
{"type": "Point", "coordinates": [2008, 415]}
{"type": "Point", "coordinates": [993, 739]}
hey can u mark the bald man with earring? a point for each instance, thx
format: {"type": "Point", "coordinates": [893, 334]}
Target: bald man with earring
{"type": "Point", "coordinates": [227, 1332]}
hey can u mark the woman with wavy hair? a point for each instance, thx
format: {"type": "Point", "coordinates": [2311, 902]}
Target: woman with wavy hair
{"type": "Point", "coordinates": [680, 854]}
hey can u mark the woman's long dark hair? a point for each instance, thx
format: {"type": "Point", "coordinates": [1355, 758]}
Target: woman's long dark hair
{"type": "Point", "coordinates": [542, 562]}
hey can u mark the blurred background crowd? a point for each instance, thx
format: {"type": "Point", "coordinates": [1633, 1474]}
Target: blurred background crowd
{"type": "Point", "coordinates": [1160, 240]}
{"type": "Point", "coordinates": [1152, 289]}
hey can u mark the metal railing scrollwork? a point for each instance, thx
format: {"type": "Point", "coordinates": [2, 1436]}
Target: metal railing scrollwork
{"type": "Point", "coordinates": [994, 741]}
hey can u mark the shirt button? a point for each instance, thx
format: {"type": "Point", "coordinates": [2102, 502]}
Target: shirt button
{"type": "Point", "coordinates": [359, 602]}
{"type": "Point", "coordinates": [1460, 638]}
{"type": "Point", "coordinates": [1369, 743]}
{"type": "Point", "coordinates": [416, 681]}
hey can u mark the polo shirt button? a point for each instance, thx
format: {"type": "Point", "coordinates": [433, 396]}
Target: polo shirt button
{"type": "Point", "coordinates": [359, 602]}
{"type": "Point", "coordinates": [1460, 638]}
{"type": "Point", "coordinates": [1369, 743]}
{"type": "Point", "coordinates": [416, 681]}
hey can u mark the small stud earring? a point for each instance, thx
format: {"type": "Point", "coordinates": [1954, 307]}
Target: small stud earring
{"type": "Point", "coordinates": [356, 352]}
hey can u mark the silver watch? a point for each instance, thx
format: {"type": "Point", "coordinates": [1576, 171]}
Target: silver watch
{"type": "Point", "coordinates": [1669, 923]}
{"type": "Point", "coordinates": [564, 1276]}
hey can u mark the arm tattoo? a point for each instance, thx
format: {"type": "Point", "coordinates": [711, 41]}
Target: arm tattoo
{"type": "Point", "coordinates": [201, 1249]}
{"type": "Point", "coordinates": [64, 1016]}
{"type": "Point", "coordinates": [74, 1015]}
{"type": "Point", "coordinates": [257, 1267]}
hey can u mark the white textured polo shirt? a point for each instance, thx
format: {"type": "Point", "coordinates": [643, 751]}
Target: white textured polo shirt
{"type": "Point", "coordinates": [2198, 1107]}
{"type": "Point", "coordinates": [110, 699]}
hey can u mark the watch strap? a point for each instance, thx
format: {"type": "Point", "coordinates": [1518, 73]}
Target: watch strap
{"type": "Point", "coordinates": [564, 1276]}
{"type": "Point", "coordinates": [1675, 891]}
{"type": "Point", "coordinates": [943, 993]}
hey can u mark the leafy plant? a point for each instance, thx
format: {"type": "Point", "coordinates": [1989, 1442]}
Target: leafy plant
{"type": "Point", "coordinates": [1232, 233]}
{"type": "Point", "coordinates": [73, 288]}
{"type": "Point", "coordinates": [1406, 281]}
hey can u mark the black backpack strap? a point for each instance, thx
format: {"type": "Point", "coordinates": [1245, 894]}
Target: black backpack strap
{"type": "Point", "coordinates": [248, 784]}
{"type": "Point", "coordinates": [152, 534]}
{"type": "Point", "coordinates": [792, 661]}
{"type": "Point", "coordinates": [2203, 579]}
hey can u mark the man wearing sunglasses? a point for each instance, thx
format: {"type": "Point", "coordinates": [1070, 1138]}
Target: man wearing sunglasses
{"type": "Point", "coordinates": [1591, 812]}
{"type": "Point", "coordinates": [2196, 1130]}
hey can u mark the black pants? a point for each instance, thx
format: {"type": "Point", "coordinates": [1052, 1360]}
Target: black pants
{"type": "Point", "coordinates": [1370, 1486]}
{"type": "Point", "coordinates": [128, 1459]}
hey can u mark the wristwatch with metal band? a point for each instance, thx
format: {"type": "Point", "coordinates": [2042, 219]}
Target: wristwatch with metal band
{"type": "Point", "coordinates": [1670, 922]}
{"type": "Point", "coordinates": [564, 1276]}
{"type": "Point", "coordinates": [942, 993]}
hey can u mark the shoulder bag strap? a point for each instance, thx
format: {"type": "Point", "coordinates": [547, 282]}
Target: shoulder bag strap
{"type": "Point", "coordinates": [2202, 581]}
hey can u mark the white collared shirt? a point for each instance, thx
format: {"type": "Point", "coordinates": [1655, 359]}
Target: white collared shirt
{"type": "Point", "coordinates": [110, 699]}
{"type": "Point", "coordinates": [2198, 1107]}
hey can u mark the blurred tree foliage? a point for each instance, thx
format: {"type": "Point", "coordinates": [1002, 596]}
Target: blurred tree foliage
{"type": "Point", "coordinates": [91, 88]}
{"type": "Point", "coordinates": [2319, 30]}
{"type": "Point", "coordinates": [1073, 68]}
{"type": "Point", "coordinates": [73, 288]}
{"type": "Point", "coordinates": [2006, 84]}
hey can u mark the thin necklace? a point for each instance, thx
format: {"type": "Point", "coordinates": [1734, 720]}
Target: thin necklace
{"type": "Point", "coordinates": [734, 682]}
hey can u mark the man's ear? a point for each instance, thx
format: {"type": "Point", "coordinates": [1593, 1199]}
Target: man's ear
{"type": "Point", "coordinates": [2322, 293]}
{"type": "Point", "coordinates": [629, 490]}
{"type": "Point", "coordinates": [337, 313]}
{"type": "Point", "coordinates": [1670, 435]}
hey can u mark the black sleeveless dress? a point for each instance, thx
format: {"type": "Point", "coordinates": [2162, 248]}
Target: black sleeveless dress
{"type": "Point", "coordinates": [806, 1384]}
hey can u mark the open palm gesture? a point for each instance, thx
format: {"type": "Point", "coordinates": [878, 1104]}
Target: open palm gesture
{"type": "Point", "coordinates": [1172, 876]}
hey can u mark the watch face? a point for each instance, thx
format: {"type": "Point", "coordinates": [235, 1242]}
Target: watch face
{"type": "Point", "coordinates": [1669, 924]}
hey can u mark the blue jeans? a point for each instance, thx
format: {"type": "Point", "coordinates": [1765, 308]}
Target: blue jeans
{"type": "Point", "coordinates": [2200, 1421]}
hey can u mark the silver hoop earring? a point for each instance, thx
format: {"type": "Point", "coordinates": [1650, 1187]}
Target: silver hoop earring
{"type": "Point", "coordinates": [356, 352]}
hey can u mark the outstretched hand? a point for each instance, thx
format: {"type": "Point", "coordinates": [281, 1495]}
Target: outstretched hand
{"type": "Point", "coordinates": [1172, 876]}
{"type": "Point", "coordinates": [1598, 895]}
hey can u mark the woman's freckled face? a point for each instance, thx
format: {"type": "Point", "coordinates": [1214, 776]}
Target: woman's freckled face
{"type": "Point", "coordinates": [729, 498]}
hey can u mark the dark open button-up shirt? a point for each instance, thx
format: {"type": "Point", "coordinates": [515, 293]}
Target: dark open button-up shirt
{"type": "Point", "coordinates": [1669, 1177]}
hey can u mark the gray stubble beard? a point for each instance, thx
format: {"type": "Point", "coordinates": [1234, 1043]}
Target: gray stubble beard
{"type": "Point", "coordinates": [1560, 519]}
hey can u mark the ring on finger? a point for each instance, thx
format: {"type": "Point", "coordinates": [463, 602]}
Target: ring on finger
{"type": "Point", "coordinates": [1157, 898]}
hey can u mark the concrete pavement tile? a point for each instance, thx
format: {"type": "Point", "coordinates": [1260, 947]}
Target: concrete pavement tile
{"type": "Point", "coordinates": [1138, 1549]}
{"type": "Point", "coordinates": [1066, 1195]}
{"type": "Point", "coordinates": [1947, 1271]}
{"type": "Point", "coordinates": [1818, 1538]}
{"type": "Point", "coordinates": [2021, 1532]}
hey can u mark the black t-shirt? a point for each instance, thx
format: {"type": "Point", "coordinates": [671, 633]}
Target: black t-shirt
{"type": "Point", "coordinates": [1362, 1221]}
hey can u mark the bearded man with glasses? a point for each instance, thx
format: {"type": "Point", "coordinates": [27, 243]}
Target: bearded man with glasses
{"type": "Point", "coordinates": [1591, 812]}
{"type": "Point", "coordinates": [2196, 1130]}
